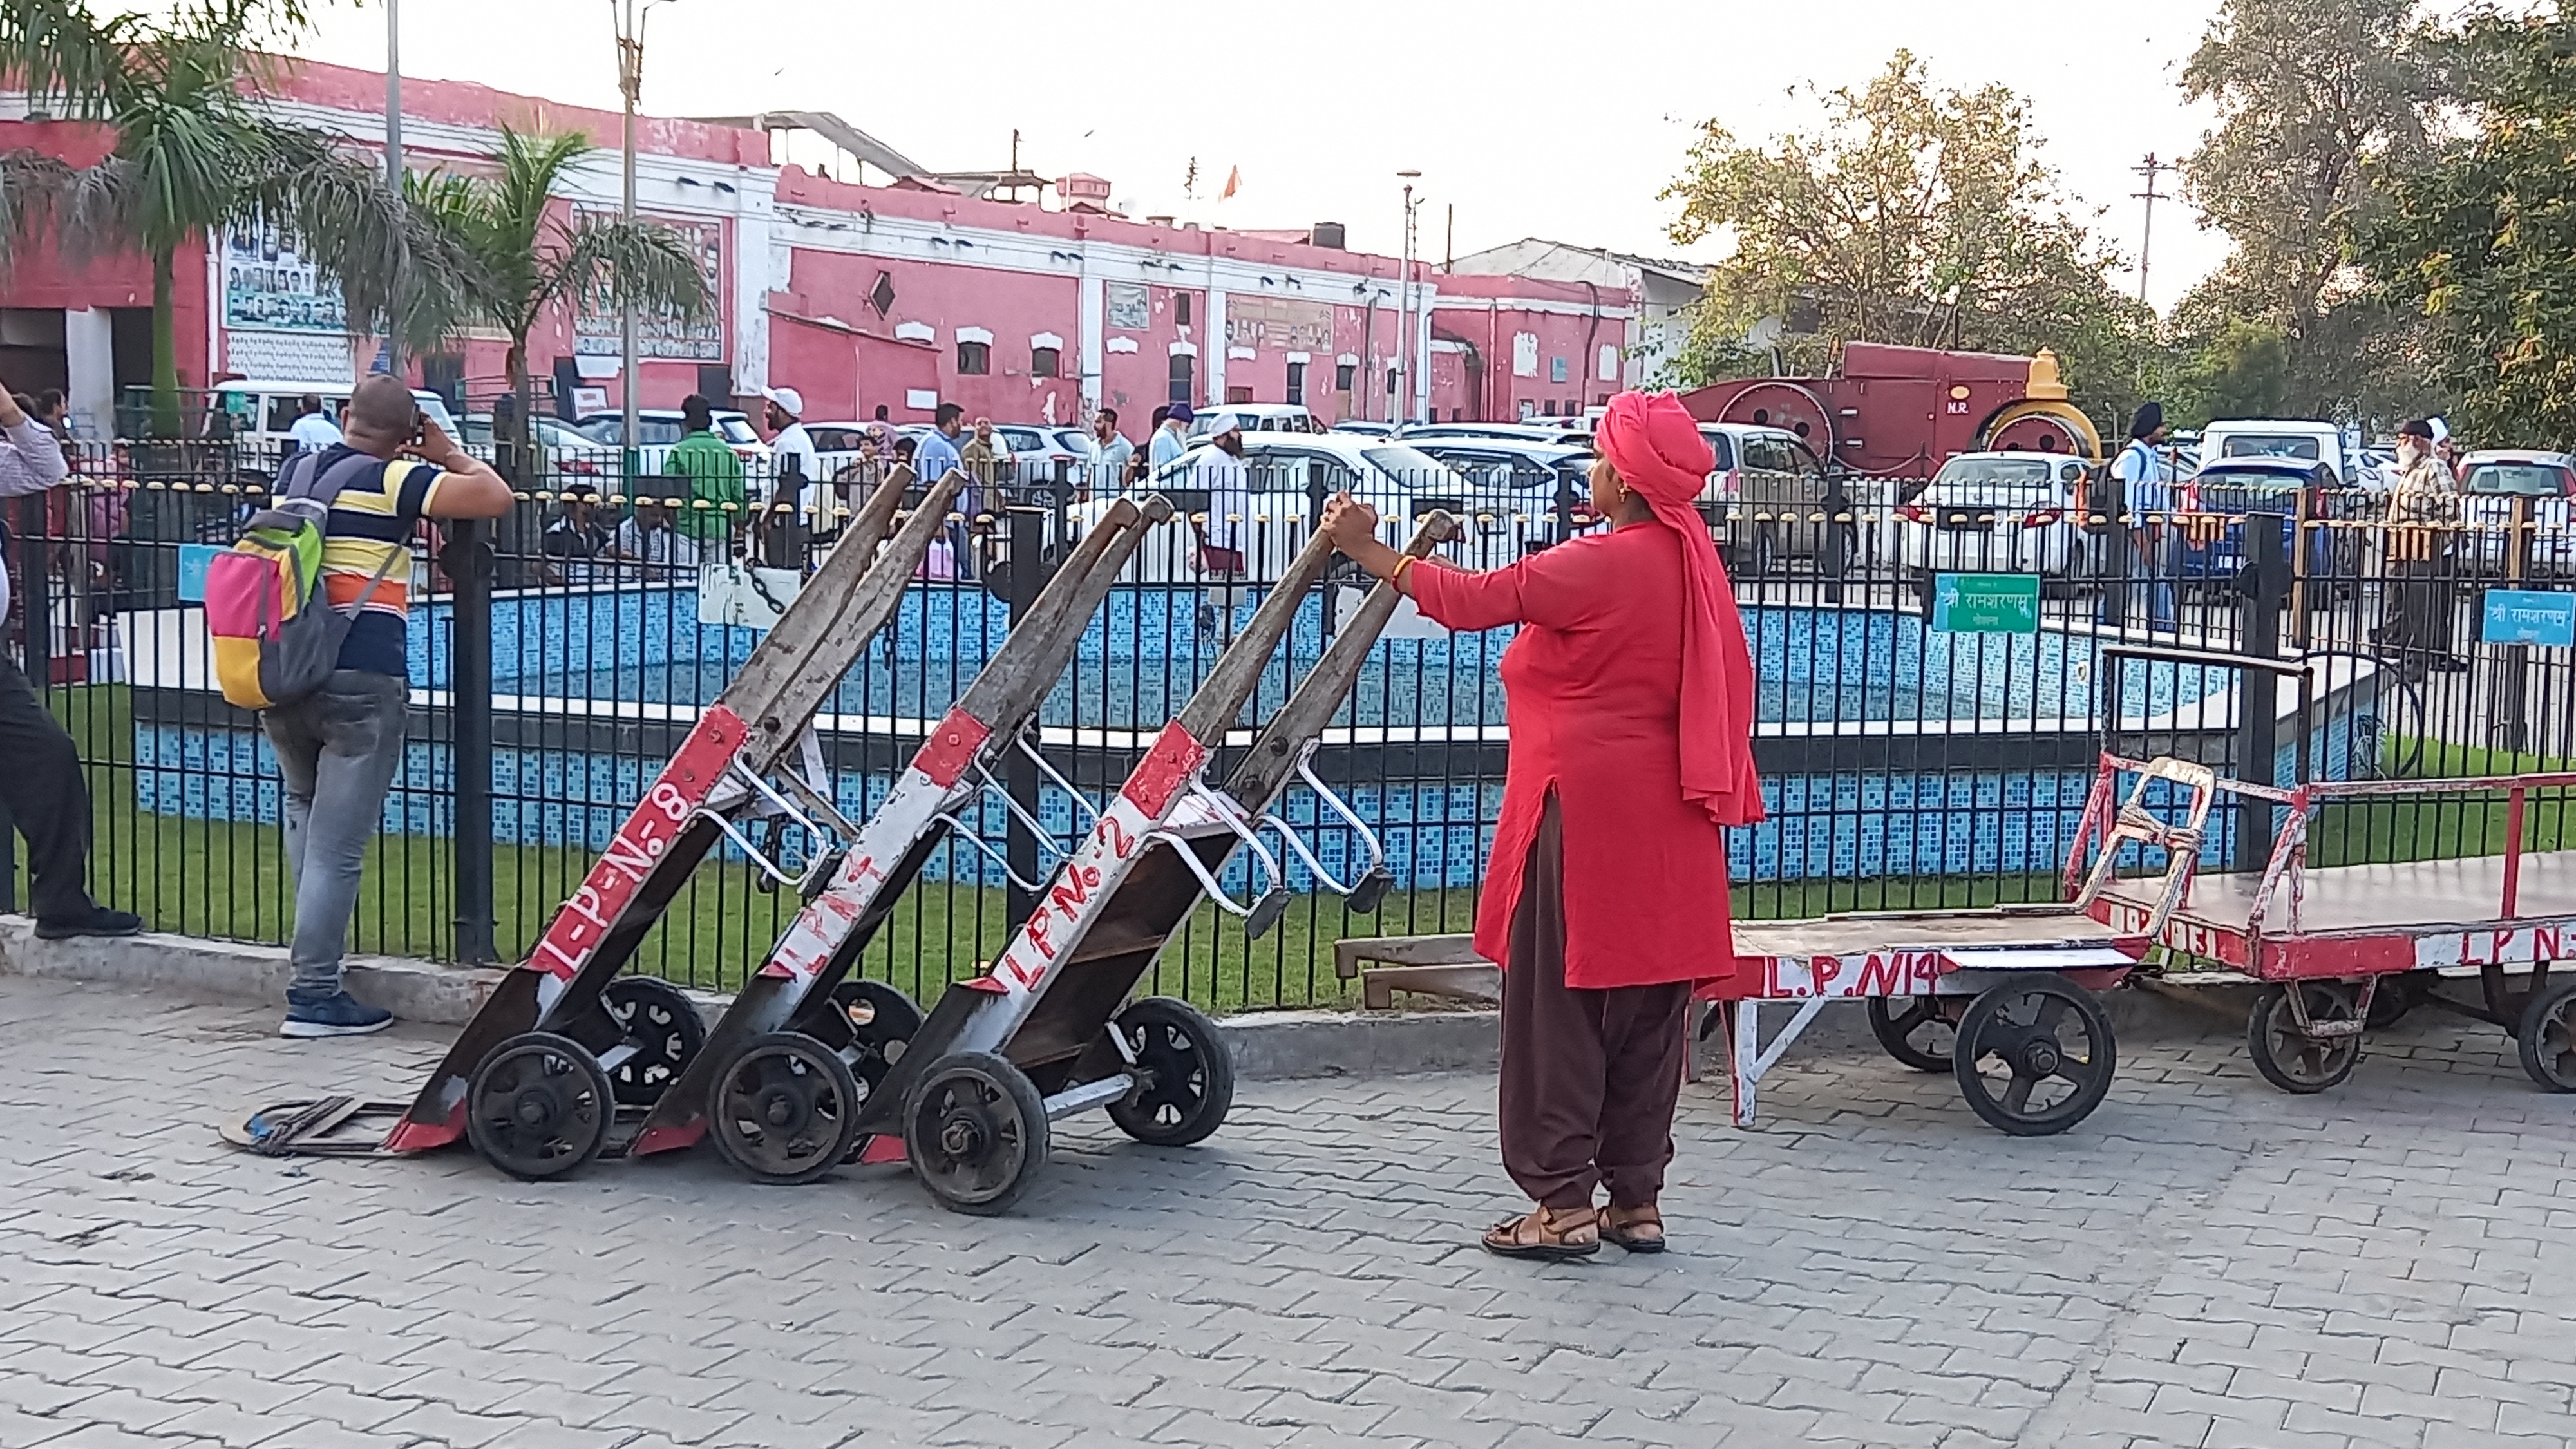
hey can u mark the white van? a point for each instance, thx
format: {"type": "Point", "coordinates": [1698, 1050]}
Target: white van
{"type": "Point", "coordinates": [2306, 440]}
{"type": "Point", "coordinates": [263, 413]}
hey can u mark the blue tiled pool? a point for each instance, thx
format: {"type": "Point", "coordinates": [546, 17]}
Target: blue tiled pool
{"type": "Point", "coordinates": [1827, 671]}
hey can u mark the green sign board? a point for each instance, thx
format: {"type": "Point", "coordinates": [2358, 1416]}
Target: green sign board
{"type": "Point", "coordinates": [1985, 603]}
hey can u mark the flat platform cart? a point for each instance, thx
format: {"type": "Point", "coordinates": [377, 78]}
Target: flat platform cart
{"type": "Point", "coordinates": [1050, 1029]}
{"type": "Point", "coordinates": [2003, 999]}
{"type": "Point", "coordinates": [2323, 944]}
{"type": "Point", "coordinates": [563, 1042]}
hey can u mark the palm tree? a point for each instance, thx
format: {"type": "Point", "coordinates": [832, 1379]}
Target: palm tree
{"type": "Point", "coordinates": [519, 257]}
{"type": "Point", "coordinates": [193, 154]}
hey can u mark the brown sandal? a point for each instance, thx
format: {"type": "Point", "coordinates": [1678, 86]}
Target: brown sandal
{"type": "Point", "coordinates": [1547, 1233]}
{"type": "Point", "coordinates": [1639, 1229]}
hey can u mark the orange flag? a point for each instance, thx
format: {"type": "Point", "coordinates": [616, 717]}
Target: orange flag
{"type": "Point", "coordinates": [1233, 182]}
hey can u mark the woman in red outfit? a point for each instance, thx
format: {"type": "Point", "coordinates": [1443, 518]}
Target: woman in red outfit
{"type": "Point", "coordinates": [1630, 695]}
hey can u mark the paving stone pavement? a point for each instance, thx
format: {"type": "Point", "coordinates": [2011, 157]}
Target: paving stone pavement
{"type": "Point", "coordinates": [2204, 1262]}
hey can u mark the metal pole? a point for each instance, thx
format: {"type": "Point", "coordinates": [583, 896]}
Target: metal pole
{"type": "Point", "coordinates": [631, 82]}
{"type": "Point", "coordinates": [468, 561]}
{"type": "Point", "coordinates": [394, 163]}
{"type": "Point", "coordinates": [1027, 528]}
{"type": "Point", "coordinates": [2258, 722]}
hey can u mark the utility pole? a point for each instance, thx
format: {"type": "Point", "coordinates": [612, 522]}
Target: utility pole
{"type": "Point", "coordinates": [394, 167]}
{"type": "Point", "coordinates": [1402, 408]}
{"type": "Point", "coordinates": [2151, 168]}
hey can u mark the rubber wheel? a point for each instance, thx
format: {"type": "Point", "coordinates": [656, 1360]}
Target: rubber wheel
{"type": "Point", "coordinates": [784, 1108]}
{"type": "Point", "coordinates": [881, 1020]}
{"type": "Point", "coordinates": [1897, 1031]}
{"type": "Point", "coordinates": [975, 1131]}
{"type": "Point", "coordinates": [538, 1106]}
{"type": "Point", "coordinates": [2034, 1055]}
{"type": "Point", "coordinates": [663, 1025]}
{"type": "Point", "coordinates": [2548, 1038]}
{"type": "Point", "coordinates": [1187, 1073]}
{"type": "Point", "coordinates": [2287, 1057]}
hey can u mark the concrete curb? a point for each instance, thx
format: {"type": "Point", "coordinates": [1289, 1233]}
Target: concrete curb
{"type": "Point", "coordinates": [1268, 1045]}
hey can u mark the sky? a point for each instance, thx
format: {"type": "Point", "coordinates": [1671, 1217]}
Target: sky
{"type": "Point", "coordinates": [1523, 120]}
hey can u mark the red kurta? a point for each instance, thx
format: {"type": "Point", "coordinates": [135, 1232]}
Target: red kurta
{"type": "Point", "coordinates": [1591, 690]}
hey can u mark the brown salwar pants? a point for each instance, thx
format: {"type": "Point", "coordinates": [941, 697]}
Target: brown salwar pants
{"type": "Point", "coordinates": [1590, 1078]}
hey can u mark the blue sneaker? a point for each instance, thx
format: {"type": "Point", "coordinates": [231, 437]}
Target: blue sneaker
{"type": "Point", "coordinates": [339, 1014]}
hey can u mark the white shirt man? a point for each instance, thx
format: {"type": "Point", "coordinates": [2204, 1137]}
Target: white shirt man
{"type": "Point", "coordinates": [1220, 471]}
{"type": "Point", "coordinates": [314, 430]}
{"type": "Point", "coordinates": [786, 405]}
{"type": "Point", "coordinates": [2146, 484]}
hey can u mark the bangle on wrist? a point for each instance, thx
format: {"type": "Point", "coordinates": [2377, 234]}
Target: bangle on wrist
{"type": "Point", "coordinates": [1395, 575]}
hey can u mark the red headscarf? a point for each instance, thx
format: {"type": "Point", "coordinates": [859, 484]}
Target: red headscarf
{"type": "Point", "coordinates": [1655, 445]}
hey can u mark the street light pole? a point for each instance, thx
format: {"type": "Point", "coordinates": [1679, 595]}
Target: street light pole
{"type": "Point", "coordinates": [394, 166]}
{"type": "Point", "coordinates": [630, 19]}
{"type": "Point", "coordinates": [1406, 354]}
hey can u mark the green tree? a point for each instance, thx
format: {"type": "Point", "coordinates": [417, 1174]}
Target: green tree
{"type": "Point", "coordinates": [1916, 215]}
{"type": "Point", "coordinates": [193, 153]}
{"type": "Point", "coordinates": [2482, 244]}
{"type": "Point", "coordinates": [520, 254]}
{"type": "Point", "coordinates": [2320, 104]}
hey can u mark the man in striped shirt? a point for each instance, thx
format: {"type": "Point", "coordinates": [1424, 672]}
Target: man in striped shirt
{"type": "Point", "coordinates": [42, 787]}
{"type": "Point", "coordinates": [338, 747]}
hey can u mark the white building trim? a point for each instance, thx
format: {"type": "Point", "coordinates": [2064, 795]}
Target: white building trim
{"type": "Point", "coordinates": [915, 332]}
{"type": "Point", "coordinates": [975, 334]}
{"type": "Point", "coordinates": [1241, 354]}
{"type": "Point", "coordinates": [1120, 344]}
{"type": "Point", "coordinates": [1046, 339]}
{"type": "Point", "coordinates": [1182, 349]}
{"type": "Point", "coordinates": [1300, 357]}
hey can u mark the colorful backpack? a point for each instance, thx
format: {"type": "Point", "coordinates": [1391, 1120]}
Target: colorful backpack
{"type": "Point", "coordinates": [276, 640]}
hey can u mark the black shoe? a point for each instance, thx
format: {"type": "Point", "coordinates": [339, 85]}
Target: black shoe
{"type": "Point", "coordinates": [99, 922]}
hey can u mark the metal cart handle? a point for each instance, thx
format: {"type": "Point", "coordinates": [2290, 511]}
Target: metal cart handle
{"type": "Point", "coordinates": [965, 832]}
{"type": "Point", "coordinates": [1335, 803]}
{"type": "Point", "coordinates": [778, 808]}
{"type": "Point", "coordinates": [1232, 818]}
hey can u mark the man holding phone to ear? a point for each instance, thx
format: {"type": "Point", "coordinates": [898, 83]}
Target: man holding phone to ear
{"type": "Point", "coordinates": [338, 748]}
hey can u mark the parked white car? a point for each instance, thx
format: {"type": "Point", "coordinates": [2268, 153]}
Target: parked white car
{"type": "Point", "coordinates": [1999, 513]}
{"type": "Point", "coordinates": [1207, 422]}
{"type": "Point", "coordinates": [568, 453]}
{"type": "Point", "coordinates": [262, 415]}
{"type": "Point", "coordinates": [2492, 480]}
{"type": "Point", "coordinates": [1562, 434]}
{"type": "Point", "coordinates": [658, 428]}
{"type": "Point", "coordinates": [1286, 473]}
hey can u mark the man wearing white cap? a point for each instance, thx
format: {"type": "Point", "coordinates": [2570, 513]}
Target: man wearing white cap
{"type": "Point", "coordinates": [793, 464]}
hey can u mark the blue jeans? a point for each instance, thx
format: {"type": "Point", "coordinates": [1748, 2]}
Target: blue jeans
{"type": "Point", "coordinates": [338, 750]}
{"type": "Point", "coordinates": [2154, 562]}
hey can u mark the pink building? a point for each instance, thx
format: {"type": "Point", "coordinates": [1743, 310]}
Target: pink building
{"type": "Point", "coordinates": [899, 296]}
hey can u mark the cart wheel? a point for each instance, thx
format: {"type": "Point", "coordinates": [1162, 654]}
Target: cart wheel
{"type": "Point", "coordinates": [2034, 1055]}
{"type": "Point", "coordinates": [1899, 1031]}
{"type": "Point", "coordinates": [1188, 1071]}
{"type": "Point", "coordinates": [2289, 1058]}
{"type": "Point", "coordinates": [976, 1132]}
{"type": "Point", "coordinates": [2548, 1038]}
{"type": "Point", "coordinates": [2506, 1006]}
{"type": "Point", "coordinates": [666, 1030]}
{"type": "Point", "coordinates": [785, 1108]}
{"type": "Point", "coordinates": [882, 1019]}
{"type": "Point", "coordinates": [539, 1106]}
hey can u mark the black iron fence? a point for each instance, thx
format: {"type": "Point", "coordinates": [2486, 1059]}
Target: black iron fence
{"type": "Point", "coordinates": [1937, 672]}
